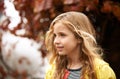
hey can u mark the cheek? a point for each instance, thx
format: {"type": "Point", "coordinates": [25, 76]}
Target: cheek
{"type": "Point", "coordinates": [71, 44]}
{"type": "Point", "coordinates": [54, 45]}
{"type": "Point", "coordinates": [70, 48]}
{"type": "Point", "coordinates": [53, 42]}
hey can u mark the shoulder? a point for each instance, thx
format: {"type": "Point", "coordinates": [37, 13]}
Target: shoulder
{"type": "Point", "coordinates": [100, 62]}
{"type": "Point", "coordinates": [50, 71]}
{"type": "Point", "coordinates": [103, 70]}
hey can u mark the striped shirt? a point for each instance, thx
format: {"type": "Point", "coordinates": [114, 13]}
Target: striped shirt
{"type": "Point", "coordinates": [72, 74]}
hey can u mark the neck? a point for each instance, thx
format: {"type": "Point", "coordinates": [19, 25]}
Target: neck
{"type": "Point", "coordinates": [74, 63]}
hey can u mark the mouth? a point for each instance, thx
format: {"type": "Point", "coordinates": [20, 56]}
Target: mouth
{"type": "Point", "coordinates": [59, 48]}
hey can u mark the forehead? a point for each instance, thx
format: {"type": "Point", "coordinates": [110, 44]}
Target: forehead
{"type": "Point", "coordinates": [60, 27]}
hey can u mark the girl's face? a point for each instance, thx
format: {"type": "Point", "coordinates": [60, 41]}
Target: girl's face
{"type": "Point", "coordinates": [65, 41]}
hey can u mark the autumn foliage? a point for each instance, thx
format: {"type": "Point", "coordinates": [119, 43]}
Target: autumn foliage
{"type": "Point", "coordinates": [36, 16]}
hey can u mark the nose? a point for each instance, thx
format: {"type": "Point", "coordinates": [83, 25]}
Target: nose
{"type": "Point", "coordinates": [56, 40]}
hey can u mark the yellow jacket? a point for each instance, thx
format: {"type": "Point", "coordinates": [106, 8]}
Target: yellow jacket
{"type": "Point", "coordinates": [103, 70]}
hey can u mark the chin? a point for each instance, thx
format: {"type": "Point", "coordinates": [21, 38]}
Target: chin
{"type": "Point", "coordinates": [61, 53]}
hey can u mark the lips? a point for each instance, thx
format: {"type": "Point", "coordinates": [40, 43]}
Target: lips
{"type": "Point", "coordinates": [59, 48]}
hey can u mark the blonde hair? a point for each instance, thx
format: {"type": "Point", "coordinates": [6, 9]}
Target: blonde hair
{"type": "Point", "coordinates": [82, 28]}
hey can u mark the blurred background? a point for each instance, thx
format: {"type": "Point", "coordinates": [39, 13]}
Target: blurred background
{"type": "Point", "coordinates": [23, 24]}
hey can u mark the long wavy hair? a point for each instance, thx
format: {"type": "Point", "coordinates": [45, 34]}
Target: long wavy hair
{"type": "Point", "coordinates": [82, 28]}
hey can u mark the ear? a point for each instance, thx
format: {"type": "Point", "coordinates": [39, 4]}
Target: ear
{"type": "Point", "coordinates": [79, 40]}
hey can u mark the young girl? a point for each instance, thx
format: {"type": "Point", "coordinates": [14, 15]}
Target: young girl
{"type": "Point", "coordinates": [74, 50]}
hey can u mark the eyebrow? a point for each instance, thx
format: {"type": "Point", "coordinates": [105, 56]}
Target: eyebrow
{"type": "Point", "coordinates": [59, 33]}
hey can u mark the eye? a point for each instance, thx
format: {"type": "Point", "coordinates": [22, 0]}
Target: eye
{"type": "Point", "coordinates": [62, 34]}
{"type": "Point", "coordinates": [54, 35]}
